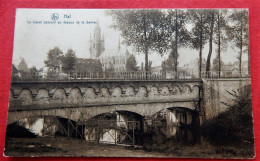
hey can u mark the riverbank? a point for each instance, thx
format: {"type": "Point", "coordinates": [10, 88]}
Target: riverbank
{"type": "Point", "coordinates": [73, 147]}
{"type": "Point", "coordinates": [62, 146]}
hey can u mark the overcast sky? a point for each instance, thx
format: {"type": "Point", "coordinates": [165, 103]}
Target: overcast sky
{"type": "Point", "coordinates": [33, 41]}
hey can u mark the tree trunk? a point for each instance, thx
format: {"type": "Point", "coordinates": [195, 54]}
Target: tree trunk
{"type": "Point", "coordinates": [210, 44]}
{"type": "Point", "coordinates": [219, 45]}
{"type": "Point", "coordinates": [176, 45]}
{"type": "Point", "coordinates": [146, 62]}
{"type": "Point", "coordinates": [200, 54]}
{"type": "Point", "coordinates": [146, 48]}
{"type": "Point", "coordinates": [241, 48]}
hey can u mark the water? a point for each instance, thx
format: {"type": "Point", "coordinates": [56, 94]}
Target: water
{"type": "Point", "coordinates": [118, 129]}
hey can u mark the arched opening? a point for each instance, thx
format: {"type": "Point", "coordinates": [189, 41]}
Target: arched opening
{"type": "Point", "coordinates": [44, 126]}
{"type": "Point", "coordinates": [186, 125]}
{"type": "Point", "coordinates": [177, 123]}
{"type": "Point", "coordinates": [116, 127]}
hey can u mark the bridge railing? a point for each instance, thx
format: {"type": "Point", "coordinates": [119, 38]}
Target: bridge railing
{"type": "Point", "coordinates": [140, 75]}
{"type": "Point", "coordinates": [225, 74]}
{"type": "Point", "coordinates": [132, 75]}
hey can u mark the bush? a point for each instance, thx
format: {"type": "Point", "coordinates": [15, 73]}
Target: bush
{"type": "Point", "coordinates": [232, 126]}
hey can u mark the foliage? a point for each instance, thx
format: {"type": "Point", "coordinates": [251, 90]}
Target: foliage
{"type": "Point", "coordinates": [215, 64]}
{"type": "Point", "coordinates": [238, 32]}
{"type": "Point", "coordinates": [68, 61]}
{"type": "Point", "coordinates": [34, 74]}
{"type": "Point", "coordinates": [168, 65]}
{"type": "Point", "coordinates": [220, 38]}
{"type": "Point", "coordinates": [30, 74]}
{"type": "Point", "coordinates": [211, 32]}
{"type": "Point", "coordinates": [178, 35]}
{"type": "Point", "coordinates": [150, 66]}
{"type": "Point", "coordinates": [143, 29]}
{"type": "Point", "coordinates": [232, 126]}
{"type": "Point", "coordinates": [200, 30]}
{"type": "Point", "coordinates": [131, 63]}
{"type": "Point", "coordinates": [54, 57]}
{"type": "Point", "coordinates": [52, 75]}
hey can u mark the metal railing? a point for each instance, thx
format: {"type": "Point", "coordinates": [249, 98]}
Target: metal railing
{"type": "Point", "coordinates": [142, 75]}
{"type": "Point", "coordinates": [224, 74]}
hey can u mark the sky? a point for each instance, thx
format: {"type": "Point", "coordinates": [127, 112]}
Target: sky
{"type": "Point", "coordinates": [35, 36]}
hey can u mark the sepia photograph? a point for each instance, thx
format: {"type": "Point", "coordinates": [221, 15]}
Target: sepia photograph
{"type": "Point", "coordinates": [157, 83]}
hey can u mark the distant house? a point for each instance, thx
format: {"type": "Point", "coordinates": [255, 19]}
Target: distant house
{"type": "Point", "coordinates": [86, 68]}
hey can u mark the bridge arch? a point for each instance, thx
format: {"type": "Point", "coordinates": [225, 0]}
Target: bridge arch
{"type": "Point", "coordinates": [185, 115]}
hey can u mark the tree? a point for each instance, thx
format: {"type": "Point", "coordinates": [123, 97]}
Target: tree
{"type": "Point", "coordinates": [221, 36]}
{"type": "Point", "coordinates": [212, 21]}
{"type": "Point", "coordinates": [54, 57]}
{"type": "Point", "coordinates": [200, 20]}
{"type": "Point", "coordinates": [238, 33]}
{"type": "Point", "coordinates": [131, 63]}
{"type": "Point", "coordinates": [142, 66]}
{"type": "Point", "coordinates": [143, 29]}
{"type": "Point", "coordinates": [178, 35]}
{"type": "Point", "coordinates": [68, 62]}
{"type": "Point", "coordinates": [168, 65]}
{"type": "Point", "coordinates": [150, 66]}
{"type": "Point", "coordinates": [215, 64]}
{"type": "Point", "coordinates": [34, 74]}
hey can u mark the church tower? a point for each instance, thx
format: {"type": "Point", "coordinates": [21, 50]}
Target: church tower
{"type": "Point", "coordinates": [97, 45]}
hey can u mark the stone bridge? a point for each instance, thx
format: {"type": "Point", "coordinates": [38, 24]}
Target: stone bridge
{"type": "Point", "coordinates": [86, 99]}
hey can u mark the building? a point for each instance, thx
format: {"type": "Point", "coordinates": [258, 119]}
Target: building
{"type": "Point", "coordinates": [87, 68]}
{"type": "Point", "coordinates": [97, 45]}
{"type": "Point", "coordinates": [113, 60]}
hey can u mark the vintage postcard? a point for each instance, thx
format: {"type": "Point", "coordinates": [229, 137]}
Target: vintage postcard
{"type": "Point", "coordinates": [131, 83]}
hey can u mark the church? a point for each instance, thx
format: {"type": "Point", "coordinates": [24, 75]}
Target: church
{"type": "Point", "coordinates": [112, 60]}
